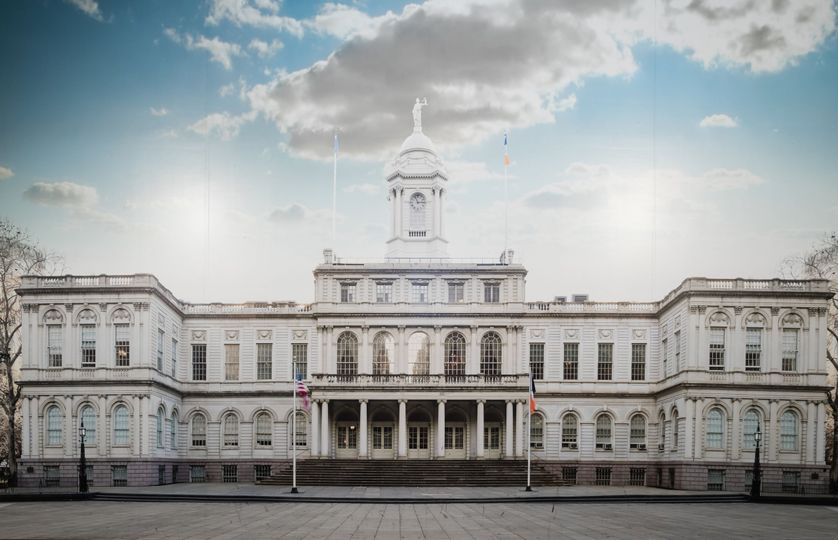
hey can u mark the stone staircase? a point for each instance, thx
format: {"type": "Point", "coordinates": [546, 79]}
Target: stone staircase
{"type": "Point", "coordinates": [409, 473]}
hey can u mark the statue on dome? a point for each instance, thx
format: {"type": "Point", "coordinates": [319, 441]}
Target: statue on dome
{"type": "Point", "coordinates": [417, 113]}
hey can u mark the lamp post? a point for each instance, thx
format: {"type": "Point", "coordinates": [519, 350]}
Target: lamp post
{"type": "Point", "coordinates": [82, 461]}
{"type": "Point", "coordinates": [757, 474]}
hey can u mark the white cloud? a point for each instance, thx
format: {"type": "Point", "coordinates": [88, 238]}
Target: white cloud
{"type": "Point", "coordinates": [5, 173]}
{"type": "Point", "coordinates": [89, 7]}
{"type": "Point", "coordinates": [257, 13]}
{"type": "Point", "coordinates": [718, 120]}
{"type": "Point", "coordinates": [368, 189]}
{"type": "Point", "coordinates": [487, 65]}
{"type": "Point", "coordinates": [728, 179]}
{"type": "Point", "coordinates": [296, 213]}
{"type": "Point", "coordinates": [265, 49]}
{"type": "Point", "coordinates": [227, 90]}
{"type": "Point", "coordinates": [162, 111]}
{"type": "Point", "coordinates": [62, 194]}
{"type": "Point", "coordinates": [220, 51]}
{"type": "Point", "coordinates": [224, 125]}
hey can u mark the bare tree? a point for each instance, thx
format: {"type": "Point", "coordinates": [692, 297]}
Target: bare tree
{"type": "Point", "coordinates": [19, 256]}
{"type": "Point", "coordinates": [822, 263]}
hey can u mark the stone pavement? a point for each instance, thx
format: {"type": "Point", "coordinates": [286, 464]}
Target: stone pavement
{"type": "Point", "coordinates": [346, 520]}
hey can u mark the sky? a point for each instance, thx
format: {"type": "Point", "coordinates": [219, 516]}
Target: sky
{"type": "Point", "coordinates": [650, 140]}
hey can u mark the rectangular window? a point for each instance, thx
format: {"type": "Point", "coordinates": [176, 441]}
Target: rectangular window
{"type": "Point", "coordinates": [347, 292]}
{"type": "Point", "coordinates": [456, 293]}
{"type": "Point", "coordinates": [716, 480]}
{"type": "Point", "coordinates": [749, 478]}
{"type": "Point", "coordinates": [88, 345]}
{"type": "Point", "coordinates": [384, 293]}
{"type": "Point", "coordinates": [637, 476]}
{"type": "Point", "coordinates": [160, 336]}
{"type": "Point", "coordinates": [122, 345]}
{"type": "Point", "coordinates": [571, 361]}
{"type": "Point", "coordinates": [231, 362]}
{"type": "Point", "coordinates": [753, 349]}
{"type": "Point", "coordinates": [299, 355]}
{"type": "Point", "coordinates": [264, 360]}
{"type": "Point", "coordinates": [638, 361]}
{"type": "Point", "coordinates": [174, 357]}
{"type": "Point", "coordinates": [491, 293]}
{"type": "Point", "coordinates": [454, 438]}
{"type": "Point", "coordinates": [161, 475]}
{"type": "Point", "coordinates": [119, 475]}
{"type": "Point", "coordinates": [603, 476]}
{"type": "Point", "coordinates": [717, 349]}
{"type": "Point", "coordinates": [665, 357]}
{"type": "Point", "coordinates": [790, 347]}
{"type": "Point", "coordinates": [605, 361]}
{"type": "Point", "coordinates": [537, 360]}
{"type": "Point", "coordinates": [52, 477]}
{"type": "Point", "coordinates": [229, 474]}
{"type": "Point", "coordinates": [260, 472]}
{"type": "Point", "coordinates": [419, 293]}
{"type": "Point", "coordinates": [55, 345]}
{"type": "Point", "coordinates": [569, 475]}
{"type": "Point", "coordinates": [198, 474]}
{"type": "Point", "coordinates": [791, 481]}
{"type": "Point", "coordinates": [678, 351]}
{"type": "Point", "coordinates": [199, 362]}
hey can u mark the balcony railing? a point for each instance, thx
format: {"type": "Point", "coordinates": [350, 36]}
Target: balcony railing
{"type": "Point", "coordinates": [406, 380]}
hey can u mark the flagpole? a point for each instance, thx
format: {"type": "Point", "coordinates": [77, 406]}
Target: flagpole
{"type": "Point", "coordinates": [294, 441]}
{"type": "Point", "coordinates": [529, 434]}
{"type": "Point", "coordinates": [334, 190]}
{"type": "Point", "coordinates": [505, 195]}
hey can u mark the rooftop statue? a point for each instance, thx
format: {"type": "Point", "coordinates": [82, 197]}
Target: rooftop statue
{"type": "Point", "coordinates": [417, 113]}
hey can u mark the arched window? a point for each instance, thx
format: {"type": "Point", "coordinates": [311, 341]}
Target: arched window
{"type": "Point", "coordinates": [603, 432]}
{"type": "Point", "coordinates": [347, 350]}
{"type": "Point", "coordinates": [161, 416]}
{"type": "Point", "coordinates": [173, 431]}
{"type": "Point", "coordinates": [537, 432]}
{"type": "Point", "coordinates": [121, 430]}
{"type": "Point", "coordinates": [54, 426]}
{"type": "Point", "coordinates": [199, 430]}
{"type": "Point", "coordinates": [637, 432]}
{"type": "Point", "coordinates": [570, 430]}
{"type": "Point", "coordinates": [417, 213]}
{"type": "Point", "coordinates": [301, 426]}
{"type": "Point", "coordinates": [419, 353]}
{"type": "Point", "coordinates": [715, 428]}
{"type": "Point", "coordinates": [382, 354]}
{"type": "Point", "coordinates": [231, 430]}
{"type": "Point", "coordinates": [264, 430]}
{"type": "Point", "coordinates": [788, 430]}
{"type": "Point", "coordinates": [749, 426]}
{"type": "Point", "coordinates": [455, 354]}
{"type": "Point", "coordinates": [675, 430]}
{"type": "Point", "coordinates": [88, 418]}
{"type": "Point", "coordinates": [491, 354]}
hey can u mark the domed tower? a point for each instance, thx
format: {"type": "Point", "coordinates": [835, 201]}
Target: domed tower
{"type": "Point", "coordinates": [417, 184]}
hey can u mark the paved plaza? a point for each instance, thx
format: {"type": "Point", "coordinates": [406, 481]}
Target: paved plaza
{"type": "Point", "coordinates": [347, 520]}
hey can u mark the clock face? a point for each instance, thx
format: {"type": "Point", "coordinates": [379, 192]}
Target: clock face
{"type": "Point", "coordinates": [417, 202]}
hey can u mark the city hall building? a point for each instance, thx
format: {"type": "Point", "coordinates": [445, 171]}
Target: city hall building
{"type": "Point", "coordinates": [421, 356]}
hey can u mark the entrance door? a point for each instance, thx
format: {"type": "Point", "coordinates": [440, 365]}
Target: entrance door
{"type": "Point", "coordinates": [382, 441]}
{"type": "Point", "coordinates": [455, 440]}
{"type": "Point", "coordinates": [492, 440]}
{"type": "Point", "coordinates": [418, 443]}
{"type": "Point", "coordinates": [346, 440]}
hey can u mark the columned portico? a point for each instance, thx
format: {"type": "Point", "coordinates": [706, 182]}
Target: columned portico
{"type": "Point", "coordinates": [362, 430]}
{"type": "Point", "coordinates": [481, 444]}
{"type": "Point", "coordinates": [324, 431]}
{"type": "Point", "coordinates": [315, 428]}
{"type": "Point", "coordinates": [519, 429]}
{"type": "Point", "coordinates": [402, 428]}
{"type": "Point", "coordinates": [509, 429]}
{"type": "Point", "coordinates": [440, 429]}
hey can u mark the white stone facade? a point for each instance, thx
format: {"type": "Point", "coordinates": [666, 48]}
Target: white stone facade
{"type": "Point", "coordinates": [419, 356]}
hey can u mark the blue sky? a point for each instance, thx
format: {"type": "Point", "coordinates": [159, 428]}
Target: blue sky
{"type": "Point", "coordinates": [192, 140]}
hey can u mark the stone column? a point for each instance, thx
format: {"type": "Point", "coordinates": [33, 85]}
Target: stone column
{"type": "Point", "coordinates": [398, 211]}
{"type": "Point", "coordinates": [773, 439]}
{"type": "Point", "coordinates": [440, 428]}
{"type": "Point", "coordinates": [137, 429]}
{"type": "Point", "coordinates": [392, 213]}
{"type": "Point", "coordinates": [70, 437]}
{"type": "Point", "coordinates": [820, 436]}
{"type": "Point", "coordinates": [324, 429]}
{"type": "Point", "coordinates": [365, 364]}
{"type": "Point", "coordinates": [400, 361]}
{"type": "Point", "coordinates": [689, 421]}
{"type": "Point", "coordinates": [509, 430]}
{"type": "Point", "coordinates": [26, 428]}
{"type": "Point", "coordinates": [699, 427]}
{"type": "Point", "coordinates": [519, 428]}
{"type": "Point", "coordinates": [315, 428]}
{"type": "Point", "coordinates": [480, 442]}
{"type": "Point", "coordinates": [441, 210]}
{"type": "Point", "coordinates": [437, 353]}
{"type": "Point", "coordinates": [736, 443]}
{"type": "Point", "coordinates": [473, 357]}
{"type": "Point", "coordinates": [103, 435]}
{"type": "Point", "coordinates": [402, 428]}
{"type": "Point", "coordinates": [811, 431]}
{"type": "Point", "coordinates": [434, 209]}
{"type": "Point", "coordinates": [362, 429]}
{"type": "Point", "coordinates": [144, 425]}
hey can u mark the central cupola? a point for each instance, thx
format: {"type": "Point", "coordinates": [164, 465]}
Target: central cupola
{"type": "Point", "coordinates": [417, 185]}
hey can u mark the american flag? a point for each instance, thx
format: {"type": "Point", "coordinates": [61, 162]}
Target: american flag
{"type": "Point", "coordinates": [302, 390]}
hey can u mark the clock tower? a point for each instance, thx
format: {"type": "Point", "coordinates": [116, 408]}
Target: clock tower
{"type": "Point", "coordinates": [417, 186]}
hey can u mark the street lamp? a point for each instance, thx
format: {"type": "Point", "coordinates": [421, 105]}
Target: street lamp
{"type": "Point", "coordinates": [82, 461]}
{"type": "Point", "coordinates": [756, 480]}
